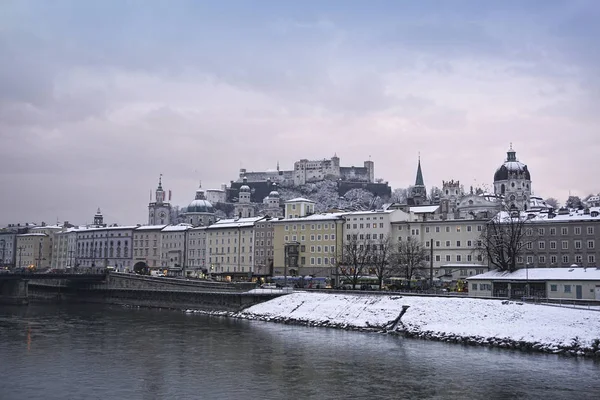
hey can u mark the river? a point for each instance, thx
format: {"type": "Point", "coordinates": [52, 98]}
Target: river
{"type": "Point", "coordinates": [108, 352]}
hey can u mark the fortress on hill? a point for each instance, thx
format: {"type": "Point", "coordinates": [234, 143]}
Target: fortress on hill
{"type": "Point", "coordinates": [307, 171]}
{"type": "Point", "coordinates": [310, 171]}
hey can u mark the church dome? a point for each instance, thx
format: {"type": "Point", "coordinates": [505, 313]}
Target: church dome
{"type": "Point", "coordinates": [512, 167]}
{"type": "Point", "coordinates": [244, 188]}
{"type": "Point", "coordinates": [200, 205]}
{"type": "Point", "coordinates": [274, 193]}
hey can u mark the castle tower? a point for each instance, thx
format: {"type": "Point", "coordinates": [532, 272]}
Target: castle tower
{"type": "Point", "coordinates": [370, 167]}
{"type": "Point", "coordinates": [451, 192]}
{"type": "Point", "coordinates": [159, 211]}
{"type": "Point", "coordinates": [244, 208]}
{"type": "Point", "coordinates": [99, 218]}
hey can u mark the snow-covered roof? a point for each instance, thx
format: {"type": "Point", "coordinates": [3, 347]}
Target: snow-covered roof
{"type": "Point", "coordinates": [542, 274]}
{"type": "Point", "coordinates": [299, 199]}
{"type": "Point", "coordinates": [150, 227]}
{"type": "Point", "coordinates": [313, 217]}
{"type": "Point", "coordinates": [177, 228]}
{"type": "Point", "coordinates": [370, 212]}
{"type": "Point", "coordinates": [32, 234]}
{"type": "Point", "coordinates": [424, 209]}
{"type": "Point", "coordinates": [235, 223]}
{"type": "Point", "coordinates": [463, 266]}
{"type": "Point", "coordinates": [537, 217]}
{"type": "Point", "coordinates": [47, 227]}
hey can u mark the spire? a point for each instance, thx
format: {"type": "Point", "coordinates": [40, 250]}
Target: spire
{"type": "Point", "coordinates": [277, 165]}
{"type": "Point", "coordinates": [419, 181]}
{"type": "Point", "coordinates": [98, 212]}
{"type": "Point", "coordinates": [160, 182]}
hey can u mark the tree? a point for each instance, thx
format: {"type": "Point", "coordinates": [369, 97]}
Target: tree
{"type": "Point", "coordinates": [381, 259]}
{"type": "Point", "coordinates": [354, 259]}
{"type": "Point", "coordinates": [505, 238]}
{"type": "Point", "coordinates": [400, 195]}
{"type": "Point", "coordinates": [573, 202]}
{"type": "Point", "coordinates": [552, 202]}
{"type": "Point", "coordinates": [410, 259]}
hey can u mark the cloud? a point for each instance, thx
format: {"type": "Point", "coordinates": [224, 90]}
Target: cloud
{"type": "Point", "coordinates": [98, 99]}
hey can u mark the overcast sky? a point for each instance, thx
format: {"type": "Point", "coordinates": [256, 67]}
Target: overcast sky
{"type": "Point", "coordinates": [97, 98]}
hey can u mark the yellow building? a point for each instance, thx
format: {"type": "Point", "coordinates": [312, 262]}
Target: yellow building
{"type": "Point", "coordinates": [34, 250]}
{"type": "Point", "coordinates": [319, 241]}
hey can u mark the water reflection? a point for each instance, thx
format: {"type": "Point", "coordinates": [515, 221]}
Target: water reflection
{"type": "Point", "coordinates": [116, 353]}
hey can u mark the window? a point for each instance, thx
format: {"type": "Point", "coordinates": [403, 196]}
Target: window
{"type": "Point", "coordinates": [529, 259]}
{"type": "Point", "coordinates": [564, 230]}
{"type": "Point", "coordinates": [578, 259]}
{"type": "Point", "coordinates": [447, 229]}
{"type": "Point", "coordinates": [552, 231]}
{"type": "Point", "coordinates": [479, 228]}
{"type": "Point", "coordinates": [458, 258]}
{"type": "Point", "coordinates": [553, 259]}
{"type": "Point", "coordinates": [591, 259]}
{"type": "Point", "coordinates": [542, 245]}
{"type": "Point", "coordinates": [553, 288]}
{"type": "Point", "coordinates": [565, 244]}
{"type": "Point", "coordinates": [474, 286]}
{"type": "Point", "coordinates": [458, 243]}
{"type": "Point", "coordinates": [469, 228]}
{"type": "Point", "coordinates": [426, 229]}
{"type": "Point", "coordinates": [438, 258]}
{"type": "Point", "coordinates": [447, 243]}
{"type": "Point", "coordinates": [529, 245]}
{"type": "Point", "coordinates": [565, 259]}
{"type": "Point", "coordinates": [590, 230]}
{"type": "Point", "coordinates": [469, 258]}
{"type": "Point", "coordinates": [553, 245]}
{"type": "Point", "coordinates": [458, 228]}
{"type": "Point", "coordinates": [577, 244]}
{"type": "Point", "coordinates": [437, 243]}
{"type": "Point", "coordinates": [567, 288]}
{"type": "Point", "coordinates": [590, 244]}
{"type": "Point", "coordinates": [437, 229]}
{"type": "Point", "coordinates": [577, 230]}
{"type": "Point", "coordinates": [541, 231]}
{"type": "Point", "coordinates": [542, 260]}
{"type": "Point", "coordinates": [485, 286]}
{"type": "Point", "coordinates": [447, 258]}
{"type": "Point", "coordinates": [426, 244]}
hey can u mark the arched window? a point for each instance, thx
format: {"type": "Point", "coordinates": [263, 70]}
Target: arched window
{"type": "Point", "coordinates": [502, 189]}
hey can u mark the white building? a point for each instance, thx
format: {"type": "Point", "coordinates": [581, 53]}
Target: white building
{"type": "Point", "coordinates": [8, 249]}
{"type": "Point", "coordinates": [299, 207]}
{"type": "Point", "coordinates": [34, 250]}
{"type": "Point", "coordinates": [215, 196]}
{"type": "Point", "coordinates": [244, 207]}
{"type": "Point", "coordinates": [105, 247]}
{"type": "Point", "coordinates": [64, 252]}
{"type": "Point", "coordinates": [173, 239]}
{"type": "Point", "coordinates": [196, 249]}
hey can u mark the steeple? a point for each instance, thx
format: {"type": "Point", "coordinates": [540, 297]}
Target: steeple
{"type": "Point", "coordinates": [419, 181]}
{"type": "Point", "coordinates": [160, 193]}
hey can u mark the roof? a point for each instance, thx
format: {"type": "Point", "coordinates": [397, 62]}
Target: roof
{"type": "Point", "coordinates": [299, 199]}
{"type": "Point", "coordinates": [419, 181]}
{"type": "Point", "coordinates": [542, 274]}
{"type": "Point", "coordinates": [424, 209]}
{"type": "Point", "coordinates": [32, 234]}
{"type": "Point", "coordinates": [176, 228]}
{"type": "Point", "coordinates": [313, 217]}
{"type": "Point", "coordinates": [542, 217]}
{"type": "Point", "coordinates": [235, 223]}
{"type": "Point", "coordinates": [150, 227]}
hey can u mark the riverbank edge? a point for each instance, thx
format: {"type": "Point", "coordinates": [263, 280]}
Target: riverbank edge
{"type": "Point", "coordinates": [575, 349]}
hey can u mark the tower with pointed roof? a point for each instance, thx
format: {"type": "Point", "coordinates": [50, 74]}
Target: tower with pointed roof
{"type": "Point", "coordinates": [159, 211]}
{"type": "Point", "coordinates": [99, 219]}
{"type": "Point", "coordinates": [418, 194]}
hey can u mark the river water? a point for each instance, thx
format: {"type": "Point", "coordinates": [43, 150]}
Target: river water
{"type": "Point", "coordinates": [108, 352]}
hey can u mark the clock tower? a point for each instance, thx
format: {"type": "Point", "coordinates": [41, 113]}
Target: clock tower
{"type": "Point", "coordinates": [159, 211]}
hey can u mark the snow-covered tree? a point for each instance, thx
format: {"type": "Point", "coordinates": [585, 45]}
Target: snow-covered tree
{"type": "Point", "coordinates": [552, 202]}
{"type": "Point", "coordinates": [400, 195]}
{"type": "Point", "coordinates": [573, 202]}
{"type": "Point", "coordinates": [354, 259]}
{"type": "Point", "coordinates": [381, 263]}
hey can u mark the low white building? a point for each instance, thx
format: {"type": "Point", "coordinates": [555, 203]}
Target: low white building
{"type": "Point", "coordinates": [105, 247]}
{"type": "Point", "coordinates": [173, 240]}
{"type": "Point", "coordinates": [574, 283]}
{"type": "Point", "coordinates": [147, 246]}
{"type": "Point", "coordinates": [64, 250]}
{"type": "Point", "coordinates": [196, 249]}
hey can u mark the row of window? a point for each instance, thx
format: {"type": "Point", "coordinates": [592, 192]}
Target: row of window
{"type": "Point", "coordinates": [564, 230]}
{"type": "Point", "coordinates": [243, 250]}
{"type": "Point", "coordinates": [313, 227]}
{"type": "Point", "coordinates": [565, 258]}
{"type": "Point", "coordinates": [318, 238]}
{"type": "Point", "coordinates": [578, 244]}
{"type": "Point", "coordinates": [222, 259]}
{"type": "Point", "coordinates": [448, 229]}
{"type": "Point", "coordinates": [368, 225]}
{"type": "Point", "coordinates": [458, 257]}
{"type": "Point", "coordinates": [482, 286]}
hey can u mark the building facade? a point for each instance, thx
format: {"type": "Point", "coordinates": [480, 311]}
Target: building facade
{"type": "Point", "coordinates": [512, 180]}
{"type": "Point", "coordinates": [105, 247]}
{"type": "Point", "coordinates": [196, 248]}
{"type": "Point", "coordinates": [263, 247]}
{"type": "Point", "coordinates": [8, 249]}
{"type": "Point", "coordinates": [173, 239]}
{"type": "Point", "coordinates": [159, 210]}
{"type": "Point", "coordinates": [147, 246]}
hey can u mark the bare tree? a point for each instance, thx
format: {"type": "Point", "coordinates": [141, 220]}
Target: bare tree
{"type": "Point", "coordinates": [381, 262]}
{"type": "Point", "coordinates": [505, 238]}
{"type": "Point", "coordinates": [354, 259]}
{"type": "Point", "coordinates": [410, 258]}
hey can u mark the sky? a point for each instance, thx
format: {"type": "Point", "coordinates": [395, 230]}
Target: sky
{"type": "Point", "coordinates": [97, 99]}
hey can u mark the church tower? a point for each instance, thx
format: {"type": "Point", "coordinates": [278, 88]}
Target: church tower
{"type": "Point", "coordinates": [244, 208]}
{"type": "Point", "coordinates": [418, 195]}
{"type": "Point", "coordinates": [512, 181]}
{"type": "Point", "coordinates": [159, 211]}
{"type": "Point", "coordinates": [99, 219]}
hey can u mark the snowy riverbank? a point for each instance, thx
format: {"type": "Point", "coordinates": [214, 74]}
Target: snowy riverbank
{"type": "Point", "coordinates": [463, 320]}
